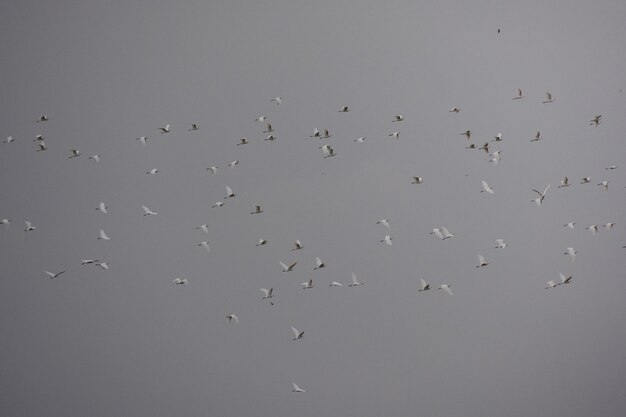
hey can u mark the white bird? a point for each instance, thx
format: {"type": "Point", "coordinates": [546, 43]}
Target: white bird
{"type": "Point", "coordinates": [564, 182]}
{"type": "Point", "coordinates": [43, 118]}
{"type": "Point", "coordinates": [417, 180]}
{"type": "Point", "coordinates": [551, 284]}
{"type": "Point", "coordinates": [605, 184]}
{"type": "Point", "coordinates": [267, 293]}
{"type": "Point", "coordinates": [593, 229]}
{"type": "Point", "coordinates": [328, 151]}
{"type": "Point", "coordinates": [446, 288]}
{"type": "Point", "coordinates": [297, 245]}
{"type": "Point", "coordinates": [268, 128]}
{"type": "Point", "coordinates": [287, 268]}
{"type": "Point", "coordinates": [355, 282]}
{"type": "Point", "coordinates": [194, 126]}
{"type": "Point", "coordinates": [424, 285]}
{"type": "Point", "coordinates": [308, 284]}
{"type": "Point", "coordinates": [319, 264]}
{"type": "Point", "coordinates": [9, 139]}
{"type": "Point", "coordinates": [437, 233]}
{"type": "Point", "coordinates": [564, 279]}
{"type": "Point", "coordinates": [537, 137]}
{"type": "Point", "coordinates": [212, 169]}
{"type": "Point", "coordinates": [262, 242]}
{"type": "Point", "coordinates": [344, 109]}
{"type": "Point", "coordinates": [539, 199]}
{"type": "Point", "coordinates": [142, 139]}
{"type": "Point", "coordinates": [53, 275]}
{"type": "Point", "coordinates": [335, 284]}
{"type": "Point", "coordinates": [257, 209]}
{"type": "Point", "coordinates": [103, 236]}
{"type": "Point", "coordinates": [296, 388]}
{"type": "Point", "coordinates": [95, 157]}
{"type": "Point", "coordinates": [612, 167]}
{"type": "Point", "coordinates": [232, 317]}
{"type": "Point", "coordinates": [29, 226]}
{"type": "Point", "coordinates": [585, 180]}
{"type": "Point", "coordinates": [148, 212]}
{"type": "Point", "coordinates": [42, 146]}
{"type": "Point", "coordinates": [454, 110]}
{"type": "Point", "coordinates": [103, 265]}
{"type": "Point", "coordinates": [398, 118]}
{"type": "Point", "coordinates": [229, 192]}
{"type": "Point", "coordinates": [297, 333]}
{"type": "Point", "coordinates": [609, 226]}
{"type": "Point", "coordinates": [206, 246]}
{"type": "Point", "coordinates": [572, 253]}
{"type": "Point", "coordinates": [243, 141]}
{"type": "Point", "coordinates": [360, 140]}
{"type": "Point", "coordinates": [180, 281]}
{"type": "Point", "coordinates": [260, 119]}
{"type": "Point", "coordinates": [446, 233]}
{"type": "Point", "coordinates": [500, 244]}
{"type": "Point", "coordinates": [204, 228]}
{"type": "Point", "coordinates": [271, 138]}
{"type": "Point", "coordinates": [596, 120]}
{"type": "Point", "coordinates": [152, 171]}
{"type": "Point", "coordinates": [481, 261]}
{"type": "Point", "coordinates": [498, 137]}
{"type": "Point", "coordinates": [548, 99]}
{"type": "Point", "coordinates": [326, 134]}
{"type": "Point", "coordinates": [387, 240]}
{"type": "Point", "coordinates": [102, 208]}
{"type": "Point", "coordinates": [519, 95]}
{"type": "Point", "coordinates": [316, 133]}
{"type": "Point", "coordinates": [164, 129]}
{"type": "Point", "coordinates": [570, 225]}
{"type": "Point", "coordinates": [232, 164]}
{"type": "Point", "coordinates": [395, 135]}
{"type": "Point", "coordinates": [38, 138]}
{"type": "Point", "coordinates": [278, 100]}
{"type": "Point", "coordinates": [218, 204]}
{"type": "Point", "coordinates": [496, 157]}
{"type": "Point", "coordinates": [486, 187]}
{"type": "Point", "coordinates": [5, 222]}
{"type": "Point", "coordinates": [384, 222]}
{"type": "Point", "coordinates": [75, 153]}
{"type": "Point", "coordinates": [89, 261]}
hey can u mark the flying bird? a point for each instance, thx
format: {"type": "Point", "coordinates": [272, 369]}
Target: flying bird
{"type": "Point", "coordinates": [152, 171]}
{"type": "Point", "coordinates": [608, 226]}
{"type": "Point", "coordinates": [243, 141]}
{"type": "Point", "coordinates": [194, 126]}
{"type": "Point", "coordinates": [326, 134]}
{"type": "Point", "coordinates": [271, 138]}
{"type": "Point", "coordinates": [539, 199]}
{"type": "Point", "coordinates": [217, 204]}
{"type": "Point", "coordinates": [605, 184]}
{"type": "Point", "coordinates": [308, 284]}
{"type": "Point", "coordinates": [103, 236]}
{"type": "Point", "coordinates": [287, 268]}
{"type": "Point", "coordinates": [229, 192]}
{"type": "Point", "coordinates": [446, 233]}
{"type": "Point", "coordinates": [498, 137]}
{"type": "Point", "coordinates": [164, 129]}
{"type": "Point", "coordinates": [262, 242]}
{"type": "Point", "coordinates": [9, 139]}
{"type": "Point", "coordinates": [89, 261]}
{"type": "Point", "coordinates": [596, 120]}
{"type": "Point", "coordinates": [395, 135]}
{"type": "Point", "coordinates": [212, 169]}
{"type": "Point", "coordinates": [564, 182]}
{"type": "Point", "coordinates": [335, 284]}
{"type": "Point", "coordinates": [268, 128]}
{"type": "Point", "coordinates": [316, 133]}
{"type": "Point", "coordinates": [481, 261]}
{"type": "Point", "coordinates": [398, 118]}
{"type": "Point", "coordinates": [593, 229]}
{"type": "Point", "coordinates": [387, 240]}
{"type": "Point", "coordinates": [148, 212]}
{"type": "Point", "coordinates": [103, 265]}
{"type": "Point", "coordinates": [565, 279]}
{"type": "Point", "coordinates": [446, 288]}
{"type": "Point", "coordinates": [296, 388]}
{"type": "Point", "coordinates": [548, 99]}
{"type": "Point", "coordinates": [5, 222]}
{"type": "Point", "coordinates": [43, 118]}
{"type": "Point", "coordinates": [454, 110]}
{"type": "Point", "coordinates": [267, 293]}
{"type": "Point", "coordinates": [53, 275]}
{"type": "Point", "coordinates": [29, 226]}
{"type": "Point", "coordinates": [233, 317]}
{"type": "Point", "coordinates": [297, 245]}
{"type": "Point", "coordinates": [344, 109]}
{"type": "Point", "coordinates": [611, 167]}
{"type": "Point", "coordinates": [257, 209]}
{"type": "Point", "coordinates": [319, 264]}
{"type": "Point", "coordinates": [297, 333]}
{"type": "Point", "coordinates": [42, 146]}
{"type": "Point", "coordinates": [102, 208]}
{"type": "Point", "coordinates": [74, 153]}
{"type": "Point", "coordinates": [500, 244]}
{"type": "Point", "coordinates": [537, 137]}
{"type": "Point", "coordinates": [260, 119]}
{"type": "Point", "coordinates": [180, 281]}
{"type": "Point", "coordinates": [570, 225]}
{"type": "Point", "coordinates": [486, 187]}
{"type": "Point", "coordinates": [424, 285]}
{"type": "Point", "coordinates": [360, 140]}
{"type": "Point", "coordinates": [204, 228]}
{"type": "Point", "coordinates": [519, 95]}
{"type": "Point", "coordinates": [572, 253]}
{"type": "Point", "coordinates": [142, 139]}
{"type": "Point", "coordinates": [585, 180]}
{"type": "Point", "coordinates": [467, 134]}
{"type": "Point", "coordinates": [95, 157]}
{"type": "Point", "coordinates": [417, 180]}
{"type": "Point", "coordinates": [355, 282]}
{"type": "Point", "coordinates": [232, 164]}
{"type": "Point", "coordinates": [550, 284]}
{"type": "Point", "coordinates": [437, 233]}
{"type": "Point", "coordinates": [205, 244]}
{"type": "Point", "coordinates": [278, 100]}
{"type": "Point", "coordinates": [384, 222]}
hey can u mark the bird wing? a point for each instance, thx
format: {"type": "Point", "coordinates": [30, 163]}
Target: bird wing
{"type": "Point", "coordinates": [285, 267]}
{"type": "Point", "coordinates": [292, 265]}
{"type": "Point", "coordinates": [229, 190]}
{"type": "Point", "coordinates": [423, 282]}
{"type": "Point", "coordinates": [354, 280]}
{"type": "Point", "coordinates": [295, 331]}
{"type": "Point", "coordinates": [447, 289]}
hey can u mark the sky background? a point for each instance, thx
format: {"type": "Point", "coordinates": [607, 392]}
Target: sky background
{"type": "Point", "coordinates": [126, 341]}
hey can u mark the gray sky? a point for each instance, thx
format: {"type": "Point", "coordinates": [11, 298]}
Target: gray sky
{"type": "Point", "coordinates": [126, 341]}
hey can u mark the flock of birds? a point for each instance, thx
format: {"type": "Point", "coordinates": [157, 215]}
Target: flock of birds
{"type": "Point", "coordinates": [328, 151]}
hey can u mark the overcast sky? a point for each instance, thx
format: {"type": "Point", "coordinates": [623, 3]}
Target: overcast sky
{"type": "Point", "coordinates": [126, 341]}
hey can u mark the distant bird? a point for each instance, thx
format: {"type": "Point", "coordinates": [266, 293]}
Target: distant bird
{"type": "Point", "coordinates": [243, 141]}
{"type": "Point", "coordinates": [471, 146]}
{"type": "Point", "coordinates": [297, 333]}
{"type": "Point", "coordinates": [486, 187]}
{"type": "Point", "coordinates": [564, 182]}
{"type": "Point", "coordinates": [103, 236]}
{"type": "Point", "coordinates": [53, 275]}
{"type": "Point", "coordinates": [89, 261]}
{"type": "Point", "coordinates": [395, 135]}
{"type": "Point", "coordinates": [271, 138]}
{"type": "Point", "coordinates": [593, 229]}
{"type": "Point", "coordinates": [596, 120]}
{"type": "Point", "coordinates": [496, 157]}
{"type": "Point", "coordinates": [548, 99]}
{"type": "Point", "coordinates": [498, 137]}
{"type": "Point", "coordinates": [287, 268]}
{"type": "Point", "coordinates": [142, 139]}
{"type": "Point", "coordinates": [278, 100]}
{"type": "Point", "coordinates": [103, 265]}
{"type": "Point", "coordinates": [42, 146]}
{"type": "Point", "coordinates": [257, 209]}
{"type": "Point", "coordinates": [268, 128]}
{"type": "Point", "coordinates": [316, 133]}
{"type": "Point", "coordinates": [417, 180]}
{"type": "Point", "coordinates": [262, 242]}
{"type": "Point", "coordinates": [467, 134]}
{"type": "Point", "coordinates": [437, 233]}
{"type": "Point", "coordinates": [612, 167]}
{"type": "Point", "coordinates": [319, 264]}
{"type": "Point", "coordinates": [539, 199]}
{"type": "Point", "coordinates": [355, 282]}
{"type": "Point", "coordinates": [446, 233]}
{"type": "Point", "coordinates": [148, 212]}
{"type": "Point", "coordinates": [232, 164]}
{"type": "Point", "coordinates": [5, 222]}
{"type": "Point", "coordinates": [74, 153]}
{"type": "Point", "coordinates": [206, 246]}
{"type": "Point", "coordinates": [212, 169]}
{"type": "Point", "coordinates": [424, 285]}
{"type": "Point", "coordinates": [180, 281]}
{"type": "Point", "coordinates": [485, 147]}
{"type": "Point", "coordinates": [564, 279]}
{"type": "Point", "coordinates": [500, 244]}
{"type": "Point", "coordinates": [387, 240]}
{"type": "Point", "coordinates": [537, 137]}
{"type": "Point", "coordinates": [398, 118]}
{"type": "Point", "coordinates": [308, 284]}
{"type": "Point", "coordinates": [102, 207]}
{"type": "Point", "coordinates": [164, 129]}
{"type": "Point", "coordinates": [204, 228]}
{"type": "Point", "coordinates": [29, 226]}
{"type": "Point", "coordinates": [572, 253]}
{"type": "Point", "coordinates": [608, 226]}
{"type": "Point", "coordinates": [326, 134]}
{"type": "Point", "coordinates": [550, 284]}
{"type": "Point", "coordinates": [9, 139]}
{"type": "Point", "coordinates": [585, 180]}
{"type": "Point", "coordinates": [38, 138]}
{"type": "Point", "coordinates": [519, 95]}
{"type": "Point", "coordinates": [335, 284]}
{"type": "Point", "coordinates": [454, 110]}
{"type": "Point", "coordinates": [481, 261]}
{"type": "Point", "coordinates": [328, 151]}
{"type": "Point", "coordinates": [233, 317]}
{"type": "Point", "coordinates": [570, 225]}
{"type": "Point", "coordinates": [605, 184]}
{"type": "Point", "coordinates": [217, 204]}
{"type": "Point", "coordinates": [296, 388]}
{"type": "Point", "coordinates": [95, 157]}
{"type": "Point", "coordinates": [360, 140]}
{"type": "Point", "coordinates": [384, 222]}
{"type": "Point", "coordinates": [260, 119]}
{"type": "Point", "coordinates": [267, 293]}
{"type": "Point", "coordinates": [446, 288]}
{"type": "Point", "coordinates": [194, 126]}
{"type": "Point", "coordinates": [43, 118]}
{"type": "Point", "coordinates": [297, 245]}
{"type": "Point", "coordinates": [152, 171]}
{"type": "Point", "coordinates": [344, 109]}
{"type": "Point", "coordinates": [229, 192]}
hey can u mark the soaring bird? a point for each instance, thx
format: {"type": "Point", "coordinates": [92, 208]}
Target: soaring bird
{"type": "Point", "coordinates": [572, 253]}
{"type": "Point", "coordinates": [267, 293]}
{"type": "Point", "coordinates": [565, 279]}
{"type": "Point", "coordinates": [74, 153]}
{"type": "Point", "coordinates": [395, 135]}
{"type": "Point", "coordinates": [481, 261]}
{"type": "Point", "coordinates": [206, 246]}
{"type": "Point", "coordinates": [53, 275]}
{"type": "Point", "coordinates": [164, 129]}
{"type": "Point", "coordinates": [297, 245]}
{"type": "Point", "coordinates": [308, 284]}
{"type": "Point", "coordinates": [287, 268]}
{"type": "Point", "coordinates": [596, 120]}
{"type": "Point", "coordinates": [103, 236]}
{"type": "Point", "coordinates": [102, 208]}
{"type": "Point", "coordinates": [424, 285]}
{"type": "Point", "coordinates": [278, 100]}
{"type": "Point", "coordinates": [446, 288]}
{"type": "Point", "coordinates": [519, 95]}
{"type": "Point", "coordinates": [29, 226]}
{"type": "Point", "coordinates": [180, 281]}
{"type": "Point", "coordinates": [148, 212]}
{"type": "Point", "coordinates": [355, 282]}
{"type": "Point", "coordinates": [398, 118]}
{"type": "Point", "coordinates": [204, 228]}
{"type": "Point", "coordinates": [500, 244]}
{"type": "Point", "coordinates": [233, 317]}
{"type": "Point", "coordinates": [564, 182]}
{"type": "Point", "coordinates": [319, 264]}
{"type": "Point", "coordinates": [296, 388]}
{"type": "Point", "coordinates": [229, 192]}
{"type": "Point", "coordinates": [344, 109]}
{"type": "Point", "coordinates": [537, 137]}
{"type": "Point", "coordinates": [548, 99]}
{"type": "Point", "coordinates": [387, 240]}
{"type": "Point", "coordinates": [297, 333]}
{"type": "Point", "coordinates": [486, 187]}
{"type": "Point", "coordinates": [417, 180]}
{"type": "Point", "coordinates": [194, 126]}
{"type": "Point", "coordinates": [539, 199]}
{"type": "Point", "coordinates": [257, 209]}
{"type": "Point", "coordinates": [384, 222]}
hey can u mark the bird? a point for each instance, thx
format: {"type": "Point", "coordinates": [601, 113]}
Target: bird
{"type": "Point", "coordinates": [498, 137]}
{"type": "Point", "coordinates": [486, 187]}
{"type": "Point", "coordinates": [229, 192]}
{"type": "Point", "coordinates": [471, 146]}
{"type": "Point", "coordinates": [360, 140]}
{"type": "Point", "coordinates": [103, 265]}
{"type": "Point", "coordinates": [102, 208]}
{"type": "Point", "coordinates": [593, 229]}
{"type": "Point", "coordinates": [384, 222]}
{"type": "Point", "coordinates": [564, 182]}
{"type": "Point", "coordinates": [596, 120]}
{"type": "Point", "coordinates": [180, 281]}
{"type": "Point", "coordinates": [446, 233]}
{"type": "Point", "coordinates": [424, 285]}
{"type": "Point", "coordinates": [467, 134]}
{"type": "Point", "coordinates": [355, 282]}
{"type": "Point", "coordinates": [243, 141]}
{"type": "Point", "coordinates": [570, 225]}
{"type": "Point", "coordinates": [550, 284]}
{"type": "Point", "coordinates": [148, 212]}
{"type": "Point", "coordinates": [308, 284]}
{"type": "Point", "coordinates": [398, 118]}
{"type": "Point", "coordinates": [296, 388]}
{"type": "Point", "coordinates": [417, 180]}
{"type": "Point", "coordinates": [233, 163]}
{"type": "Point", "coordinates": [519, 95]}
{"type": "Point", "coordinates": [335, 284]}
{"type": "Point", "coordinates": [5, 222]}
{"type": "Point", "coordinates": [481, 261]}
{"type": "Point", "coordinates": [326, 134]}
{"type": "Point", "coordinates": [152, 171]}
{"type": "Point", "coordinates": [485, 147]}
{"type": "Point", "coordinates": [611, 167]}
{"type": "Point", "coordinates": [344, 109]}
{"type": "Point", "coordinates": [43, 118]}
{"type": "Point", "coordinates": [204, 228]}
{"type": "Point", "coordinates": [395, 135]}
{"type": "Point", "coordinates": [271, 138]}
{"type": "Point", "coordinates": [454, 110]}
{"type": "Point", "coordinates": [605, 184]}
{"type": "Point", "coordinates": [95, 157]}
{"type": "Point", "coordinates": [572, 253]}
{"type": "Point", "coordinates": [297, 333]}
{"type": "Point", "coordinates": [217, 204]}
{"type": "Point", "coordinates": [261, 242]}
{"type": "Point", "coordinates": [500, 244]}
{"type": "Point", "coordinates": [446, 288]}
{"type": "Point", "coordinates": [89, 261]}
{"type": "Point", "coordinates": [42, 146]}
{"type": "Point", "coordinates": [437, 233]}
{"type": "Point", "coordinates": [38, 138]}
{"type": "Point", "coordinates": [565, 279]}
{"type": "Point", "coordinates": [29, 226]}
{"type": "Point", "coordinates": [233, 317]}
{"type": "Point", "coordinates": [164, 129]}
{"type": "Point", "coordinates": [9, 139]}
{"type": "Point", "coordinates": [206, 245]}
{"type": "Point", "coordinates": [328, 151]}
{"type": "Point", "coordinates": [268, 128]}
{"type": "Point", "coordinates": [194, 126]}
{"type": "Point", "coordinates": [608, 226]}
{"type": "Point", "coordinates": [387, 240]}
{"type": "Point", "coordinates": [585, 180]}
{"type": "Point", "coordinates": [539, 199]}
{"type": "Point", "coordinates": [297, 245]}
{"type": "Point", "coordinates": [260, 119]}
{"type": "Point", "coordinates": [267, 293]}
{"type": "Point", "coordinates": [537, 137]}
{"type": "Point", "coordinates": [74, 153]}
{"type": "Point", "coordinates": [548, 99]}
{"type": "Point", "coordinates": [257, 209]}
{"type": "Point", "coordinates": [319, 264]}
{"type": "Point", "coordinates": [287, 268]}
{"type": "Point", "coordinates": [212, 169]}
{"type": "Point", "coordinates": [103, 236]}
{"type": "Point", "coordinates": [278, 100]}
{"type": "Point", "coordinates": [53, 275]}
{"type": "Point", "coordinates": [142, 139]}
{"type": "Point", "coordinates": [496, 157]}
{"type": "Point", "coordinates": [316, 133]}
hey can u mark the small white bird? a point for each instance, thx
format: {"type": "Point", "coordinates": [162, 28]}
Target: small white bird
{"type": "Point", "coordinates": [142, 139]}
{"type": "Point", "coordinates": [551, 284]}
{"type": "Point", "coordinates": [610, 168]}
{"type": "Point", "coordinates": [204, 228]}
{"type": "Point", "coordinates": [446, 288]}
{"type": "Point", "coordinates": [297, 333]}
{"type": "Point", "coordinates": [605, 184]}
{"type": "Point", "coordinates": [257, 209]}
{"type": "Point", "coordinates": [537, 137]}
{"type": "Point", "coordinates": [498, 137]}
{"type": "Point", "coordinates": [565, 279]}
{"type": "Point", "coordinates": [500, 244]}
{"type": "Point", "coordinates": [29, 226]}
{"type": "Point", "coordinates": [564, 182]}
{"type": "Point", "coordinates": [384, 222]}
{"type": "Point", "coordinates": [308, 284]}
{"type": "Point", "coordinates": [102, 208]}
{"type": "Point", "coordinates": [9, 139]}
{"type": "Point", "coordinates": [296, 388]}
{"type": "Point", "coordinates": [454, 110]}
{"type": "Point", "coordinates": [539, 199]}
{"type": "Point", "coordinates": [268, 128]}
{"type": "Point", "coordinates": [5, 222]}
{"type": "Point", "coordinates": [212, 169]}
{"type": "Point", "coordinates": [328, 151]}
{"type": "Point", "coordinates": [194, 126]}
{"type": "Point", "coordinates": [260, 119]}
{"type": "Point", "coordinates": [38, 138]}
{"type": "Point", "coordinates": [326, 134]}
{"type": "Point", "coordinates": [398, 118]}
{"type": "Point", "coordinates": [593, 229]}
{"type": "Point", "coordinates": [335, 284]}
{"type": "Point", "coordinates": [95, 157]}
{"type": "Point", "coordinates": [232, 164]}
{"type": "Point", "coordinates": [608, 226]}
{"type": "Point", "coordinates": [218, 204]}
{"type": "Point", "coordinates": [519, 95]}
{"type": "Point", "coordinates": [287, 268]}
{"type": "Point", "coordinates": [148, 212]}
{"type": "Point", "coordinates": [53, 275]}
{"type": "Point", "coordinates": [570, 225]}
{"type": "Point", "coordinates": [205, 244]}
{"type": "Point", "coordinates": [360, 140]}
{"type": "Point", "coordinates": [446, 233]}
{"type": "Point", "coordinates": [164, 129]}
{"type": "Point", "coordinates": [424, 285]}
{"type": "Point", "coordinates": [89, 261]}
{"type": "Point", "coordinates": [103, 236]}
{"type": "Point", "coordinates": [481, 261]}
{"type": "Point", "coordinates": [585, 180]}
{"type": "Point", "coordinates": [278, 100]}
{"type": "Point", "coordinates": [243, 141]}
{"type": "Point", "coordinates": [497, 155]}
{"type": "Point", "coordinates": [437, 233]}
{"type": "Point", "coordinates": [271, 138]}
{"type": "Point", "coordinates": [572, 253]}
{"type": "Point", "coordinates": [387, 240]}
{"type": "Point", "coordinates": [267, 293]}
{"type": "Point", "coordinates": [103, 265]}
{"type": "Point", "coordinates": [319, 264]}
{"type": "Point", "coordinates": [316, 133]}
{"type": "Point", "coordinates": [229, 192]}
{"type": "Point", "coordinates": [344, 109]}
{"type": "Point", "coordinates": [152, 171]}
{"type": "Point", "coordinates": [417, 180]}
{"type": "Point", "coordinates": [548, 99]}
{"type": "Point", "coordinates": [233, 317]}
{"type": "Point", "coordinates": [180, 281]}
{"type": "Point", "coordinates": [43, 118]}
{"type": "Point", "coordinates": [395, 135]}
{"type": "Point", "coordinates": [297, 245]}
{"type": "Point", "coordinates": [596, 120]}
{"type": "Point", "coordinates": [42, 146]}
{"type": "Point", "coordinates": [486, 187]}
{"type": "Point", "coordinates": [355, 282]}
{"type": "Point", "coordinates": [262, 242]}
{"type": "Point", "coordinates": [74, 153]}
